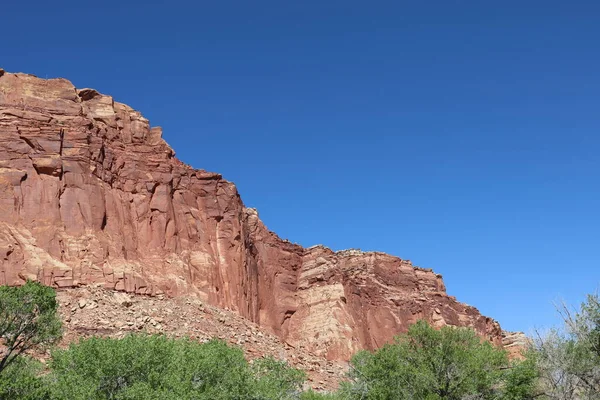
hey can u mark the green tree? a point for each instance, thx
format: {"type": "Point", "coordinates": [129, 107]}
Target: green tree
{"type": "Point", "coordinates": [28, 320]}
{"type": "Point", "coordinates": [21, 380]}
{"type": "Point", "coordinates": [276, 380]}
{"type": "Point", "coordinates": [568, 357]}
{"type": "Point", "coordinates": [140, 367]}
{"type": "Point", "coordinates": [429, 364]}
{"type": "Point", "coordinates": [521, 379]}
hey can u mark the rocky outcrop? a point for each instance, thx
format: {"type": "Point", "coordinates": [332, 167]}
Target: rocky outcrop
{"type": "Point", "coordinates": [516, 344]}
{"type": "Point", "coordinates": [92, 195]}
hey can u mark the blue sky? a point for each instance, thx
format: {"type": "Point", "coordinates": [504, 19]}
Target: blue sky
{"type": "Point", "coordinates": [463, 136]}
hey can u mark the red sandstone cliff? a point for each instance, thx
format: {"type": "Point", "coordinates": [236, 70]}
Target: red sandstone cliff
{"type": "Point", "coordinates": [90, 194]}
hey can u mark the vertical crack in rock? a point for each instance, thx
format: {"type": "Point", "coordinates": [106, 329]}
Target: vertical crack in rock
{"type": "Point", "coordinates": [60, 153]}
{"type": "Point", "coordinates": [104, 221]}
{"type": "Point", "coordinates": [61, 135]}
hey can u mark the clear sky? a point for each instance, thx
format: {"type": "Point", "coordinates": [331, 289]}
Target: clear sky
{"type": "Point", "coordinates": [462, 135]}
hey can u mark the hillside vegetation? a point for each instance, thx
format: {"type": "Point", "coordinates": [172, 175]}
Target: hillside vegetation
{"type": "Point", "coordinates": [425, 363]}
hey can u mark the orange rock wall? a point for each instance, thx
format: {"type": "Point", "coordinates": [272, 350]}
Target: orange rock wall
{"type": "Point", "coordinates": [90, 194]}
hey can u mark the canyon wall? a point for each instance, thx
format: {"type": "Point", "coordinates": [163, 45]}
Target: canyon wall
{"type": "Point", "coordinates": [90, 194]}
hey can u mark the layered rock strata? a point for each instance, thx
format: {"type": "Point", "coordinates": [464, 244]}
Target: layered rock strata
{"type": "Point", "coordinates": [90, 194]}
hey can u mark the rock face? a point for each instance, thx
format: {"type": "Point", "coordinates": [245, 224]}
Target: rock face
{"type": "Point", "coordinates": [92, 195]}
{"type": "Point", "coordinates": [515, 343]}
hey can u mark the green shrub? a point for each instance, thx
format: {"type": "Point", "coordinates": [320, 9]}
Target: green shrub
{"type": "Point", "coordinates": [155, 367]}
{"type": "Point", "coordinates": [20, 380]}
{"type": "Point", "coordinates": [274, 379]}
{"type": "Point", "coordinates": [312, 395]}
{"type": "Point", "coordinates": [568, 358]}
{"type": "Point", "coordinates": [28, 320]}
{"type": "Point", "coordinates": [429, 364]}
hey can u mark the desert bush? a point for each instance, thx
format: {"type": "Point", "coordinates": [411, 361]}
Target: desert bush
{"type": "Point", "coordinates": [312, 395]}
{"type": "Point", "coordinates": [154, 367]}
{"type": "Point", "coordinates": [430, 364]}
{"type": "Point", "coordinates": [28, 320]}
{"type": "Point", "coordinates": [21, 380]}
{"type": "Point", "coordinates": [568, 357]}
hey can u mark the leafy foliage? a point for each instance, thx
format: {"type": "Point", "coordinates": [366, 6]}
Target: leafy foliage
{"type": "Point", "coordinates": [20, 380]}
{"type": "Point", "coordinates": [450, 363]}
{"type": "Point", "coordinates": [429, 364]}
{"type": "Point", "coordinates": [311, 395]}
{"type": "Point", "coordinates": [275, 379]}
{"type": "Point", "coordinates": [155, 367]}
{"type": "Point", "coordinates": [521, 380]}
{"type": "Point", "coordinates": [569, 358]}
{"type": "Point", "coordinates": [28, 320]}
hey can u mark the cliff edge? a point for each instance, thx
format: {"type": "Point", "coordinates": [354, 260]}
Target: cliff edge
{"type": "Point", "coordinates": [90, 194]}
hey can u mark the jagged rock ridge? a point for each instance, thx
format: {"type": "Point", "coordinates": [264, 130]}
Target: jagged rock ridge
{"type": "Point", "coordinates": [92, 195]}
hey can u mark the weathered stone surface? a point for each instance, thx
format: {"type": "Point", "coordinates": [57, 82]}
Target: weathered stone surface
{"type": "Point", "coordinates": [516, 343]}
{"type": "Point", "coordinates": [92, 195]}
